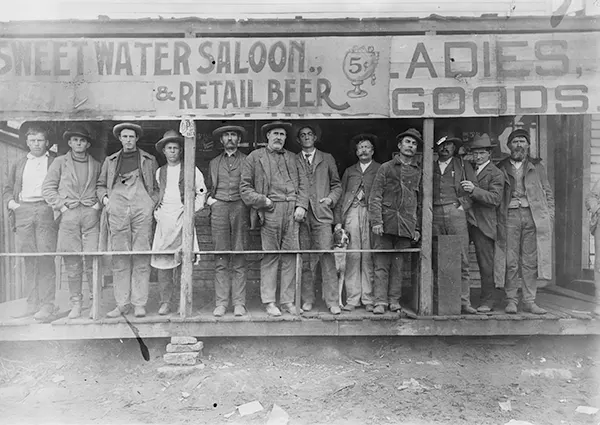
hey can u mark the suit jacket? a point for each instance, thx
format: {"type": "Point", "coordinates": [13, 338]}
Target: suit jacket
{"type": "Point", "coordinates": [256, 181]}
{"type": "Point", "coordinates": [61, 187]}
{"type": "Point", "coordinates": [463, 171]}
{"type": "Point", "coordinates": [323, 182]}
{"type": "Point", "coordinates": [351, 181]}
{"type": "Point", "coordinates": [108, 174]}
{"type": "Point", "coordinates": [486, 200]}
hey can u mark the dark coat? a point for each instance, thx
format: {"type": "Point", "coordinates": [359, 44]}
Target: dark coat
{"type": "Point", "coordinates": [463, 171]}
{"type": "Point", "coordinates": [541, 202]}
{"type": "Point", "coordinates": [323, 182]}
{"type": "Point", "coordinates": [256, 181]}
{"type": "Point", "coordinates": [486, 200]}
{"type": "Point", "coordinates": [353, 177]}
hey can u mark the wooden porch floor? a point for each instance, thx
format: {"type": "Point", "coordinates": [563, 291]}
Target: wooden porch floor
{"type": "Point", "coordinates": [568, 314]}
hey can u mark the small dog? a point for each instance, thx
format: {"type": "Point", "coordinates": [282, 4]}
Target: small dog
{"type": "Point", "coordinates": [341, 240]}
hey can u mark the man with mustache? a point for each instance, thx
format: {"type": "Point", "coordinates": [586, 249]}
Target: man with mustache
{"type": "Point", "coordinates": [525, 225]}
{"type": "Point", "coordinates": [394, 213]}
{"type": "Point", "coordinates": [274, 185]}
{"type": "Point", "coordinates": [451, 203]}
{"type": "Point", "coordinates": [324, 190]}
{"type": "Point", "coordinates": [352, 213]}
{"type": "Point", "coordinates": [228, 221]}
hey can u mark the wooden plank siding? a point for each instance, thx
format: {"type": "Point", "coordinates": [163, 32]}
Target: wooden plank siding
{"type": "Point", "coordinates": [594, 174]}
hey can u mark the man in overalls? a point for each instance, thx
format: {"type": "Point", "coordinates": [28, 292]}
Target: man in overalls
{"type": "Point", "coordinates": [128, 190]}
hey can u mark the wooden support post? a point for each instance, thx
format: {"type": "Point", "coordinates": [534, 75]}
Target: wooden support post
{"type": "Point", "coordinates": [95, 287]}
{"type": "Point", "coordinates": [188, 130]}
{"type": "Point", "coordinates": [425, 290]}
{"type": "Point", "coordinates": [298, 280]}
{"type": "Point", "coordinates": [448, 276]}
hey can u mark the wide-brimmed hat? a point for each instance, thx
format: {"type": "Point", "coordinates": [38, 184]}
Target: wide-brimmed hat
{"type": "Point", "coordinates": [411, 132]}
{"type": "Point", "coordinates": [127, 125]}
{"type": "Point", "coordinates": [169, 136]}
{"type": "Point", "coordinates": [77, 130]}
{"type": "Point", "coordinates": [364, 136]}
{"type": "Point", "coordinates": [519, 132]}
{"type": "Point", "coordinates": [448, 137]}
{"type": "Point", "coordinates": [316, 128]}
{"type": "Point", "coordinates": [276, 124]}
{"type": "Point", "coordinates": [225, 128]}
{"type": "Point", "coordinates": [481, 141]}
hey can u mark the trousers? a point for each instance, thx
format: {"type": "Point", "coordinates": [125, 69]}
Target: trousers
{"type": "Point", "coordinates": [388, 283]}
{"type": "Point", "coordinates": [484, 250]}
{"type": "Point", "coordinates": [359, 266]}
{"type": "Point", "coordinates": [521, 252]}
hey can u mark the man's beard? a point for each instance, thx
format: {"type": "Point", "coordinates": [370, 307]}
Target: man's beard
{"type": "Point", "coordinates": [518, 154]}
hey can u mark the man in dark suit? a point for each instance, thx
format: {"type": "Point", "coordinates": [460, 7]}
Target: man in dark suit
{"type": "Point", "coordinates": [324, 190]}
{"type": "Point", "coordinates": [482, 218]}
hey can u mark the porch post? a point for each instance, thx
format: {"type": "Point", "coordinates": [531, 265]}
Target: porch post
{"type": "Point", "coordinates": [425, 291]}
{"type": "Point", "coordinates": [188, 129]}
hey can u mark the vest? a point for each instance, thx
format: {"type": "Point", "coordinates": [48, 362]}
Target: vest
{"type": "Point", "coordinates": [225, 191]}
{"type": "Point", "coordinates": [518, 197]}
{"type": "Point", "coordinates": [444, 192]}
{"type": "Point", "coordinates": [162, 183]}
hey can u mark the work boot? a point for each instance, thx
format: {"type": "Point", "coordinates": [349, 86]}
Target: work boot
{"type": "Point", "coordinates": [307, 307]}
{"type": "Point", "coordinates": [334, 309]}
{"type": "Point", "coordinates": [349, 307]}
{"type": "Point", "coordinates": [369, 308]}
{"type": "Point", "coordinates": [395, 307]}
{"type": "Point", "coordinates": [511, 308]}
{"type": "Point", "coordinates": [533, 309]}
{"type": "Point", "coordinates": [75, 310]}
{"type": "Point", "coordinates": [164, 309]}
{"type": "Point", "coordinates": [467, 309]}
{"type": "Point", "coordinates": [118, 310]}
{"type": "Point", "coordinates": [239, 310]}
{"type": "Point", "coordinates": [272, 310]}
{"type": "Point", "coordinates": [219, 311]}
{"type": "Point", "coordinates": [290, 308]}
{"type": "Point", "coordinates": [139, 311]}
{"type": "Point", "coordinates": [44, 313]}
{"type": "Point", "coordinates": [379, 309]}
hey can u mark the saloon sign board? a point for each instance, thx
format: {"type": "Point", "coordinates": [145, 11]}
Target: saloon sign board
{"type": "Point", "coordinates": [354, 77]}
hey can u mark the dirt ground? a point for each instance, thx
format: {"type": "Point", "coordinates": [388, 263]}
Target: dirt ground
{"type": "Point", "coordinates": [314, 380]}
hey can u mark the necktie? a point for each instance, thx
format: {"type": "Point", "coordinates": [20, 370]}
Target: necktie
{"type": "Point", "coordinates": [307, 156]}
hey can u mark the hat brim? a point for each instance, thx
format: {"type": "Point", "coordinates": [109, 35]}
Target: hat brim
{"type": "Point", "coordinates": [239, 129]}
{"type": "Point", "coordinates": [414, 136]}
{"type": "Point", "coordinates": [270, 126]}
{"type": "Point", "coordinates": [127, 125]}
{"type": "Point", "coordinates": [456, 141]}
{"type": "Point", "coordinates": [299, 126]}
{"type": "Point", "coordinates": [68, 134]}
{"type": "Point", "coordinates": [162, 142]}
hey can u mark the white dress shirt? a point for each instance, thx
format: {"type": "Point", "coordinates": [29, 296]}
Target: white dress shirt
{"type": "Point", "coordinates": [363, 167]}
{"type": "Point", "coordinates": [516, 164]}
{"type": "Point", "coordinates": [444, 164]}
{"type": "Point", "coordinates": [481, 167]}
{"type": "Point", "coordinates": [34, 174]}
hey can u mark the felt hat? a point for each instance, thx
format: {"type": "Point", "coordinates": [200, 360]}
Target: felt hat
{"type": "Point", "coordinates": [127, 125]}
{"type": "Point", "coordinates": [169, 136]}
{"type": "Point", "coordinates": [448, 137]}
{"type": "Point", "coordinates": [519, 132]}
{"type": "Point", "coordinates": [225, 128]}
{"type": "Point", "coordinates": [411, 132]}
{"type": "Point", "coordinates": [481, 141]}
{"type": "Point", "coordinates": [303, 124]}
{"type": "Point", "coordinates": [276, 124]}
{"type": "Point", "coordinates": [77, 130]}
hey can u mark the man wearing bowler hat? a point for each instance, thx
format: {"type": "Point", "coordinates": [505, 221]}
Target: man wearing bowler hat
{"type": "Point", "coordinates": [169, 216]}
{"type": "Point", "coordinates": [70, 189]}
{"type": "Point", "coordinates": [274, 185]}
{"type": "Point", "coordinates": [128, 190]}
{"type": "Point", "coordinates": [394, 213]}
{"type": "Point", "coordinates": [324, 190]}
{"type": "Point", "coordinates": [526, 224]}
{"type": "Point", "coordinates": [33, 218]}
{"type": "Point", "coordinates": [486, 195]}
{"type": "Point", "coordinates": [228, 220]}
{"type": "Point", "coordinates": [451, 203]}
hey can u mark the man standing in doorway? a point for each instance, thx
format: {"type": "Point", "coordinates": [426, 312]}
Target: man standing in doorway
{"type": "Point", "coordinates": [394, 212]}
{"type": "Point", "coordinates": [352, 214]}
{"type": "Point", "coordinates": [526, 224]}
{"type": "Point", "coordinates": [451, 203]}
{"type": "Point", "coordinates": [228, 221]}
{"type": "Point", "coordinates": [483, 222]}
{"type": "Point", "coordinates": [169, 216]}
{"type": "Point", "coordinates": [70, 189]}
{"type": "Point", "coordinates": [128, 190]}
{"type": "Point", "coordinates": [34, 221]}
{"type": "Point", "coordinates": [274, 185]}
{"type": "Point", "coordinates": [324, 190]}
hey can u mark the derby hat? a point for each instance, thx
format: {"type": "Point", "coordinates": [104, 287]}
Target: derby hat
{"type": "Point", "coordinates": [304, 124]}
{"type": "Point", "coordinates": [77, 130]}
{"type": "Point", "coordinates": [411, 132]}
{"type": "Point", "coordinates": [519, 132]}
{"type": "Point", "coordinates": [127, 125]}
{"type": "Point", "coordinates": [225, 128]}
{"type": "Point", "coordinates": [276, 124]}
{"type": "Point", "coordinates": [481, 141]}
{"type": "Point", "coordinates": [169, 136]}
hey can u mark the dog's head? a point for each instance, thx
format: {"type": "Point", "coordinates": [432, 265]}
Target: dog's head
{"type": "Point", "coordinates": [341, 238]}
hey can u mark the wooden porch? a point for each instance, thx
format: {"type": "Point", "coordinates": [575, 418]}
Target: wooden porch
{"type": "Point", "coordinates": [568, 314]}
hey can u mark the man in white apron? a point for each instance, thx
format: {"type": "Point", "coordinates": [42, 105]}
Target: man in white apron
{"type": "Point", "coordinates": [169, 215]}
{"type": "Point", "coordinates": [128, 190]}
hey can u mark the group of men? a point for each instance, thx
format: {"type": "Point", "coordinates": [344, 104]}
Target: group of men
{"type": "Point", "coordinates": [73, 204]}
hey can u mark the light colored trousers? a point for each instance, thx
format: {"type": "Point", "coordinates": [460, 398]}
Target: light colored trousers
{"type": "Point", "coordinates": [359, 266]}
